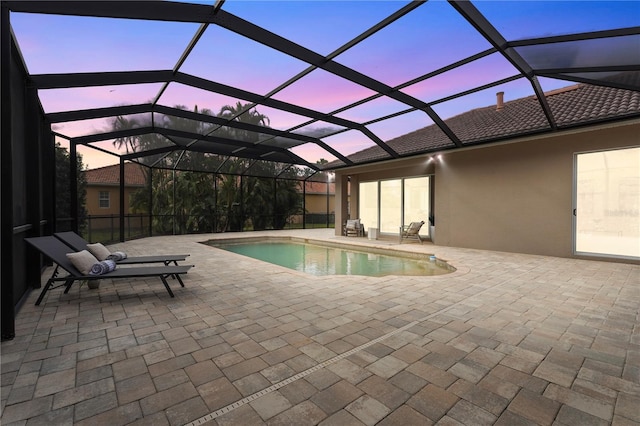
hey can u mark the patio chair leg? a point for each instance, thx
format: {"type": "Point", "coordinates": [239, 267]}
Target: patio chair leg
{"type": "Point", "coordinates": [166, 285]}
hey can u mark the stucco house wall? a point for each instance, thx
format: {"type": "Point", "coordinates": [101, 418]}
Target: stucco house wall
{"type": "Point", "coordinates": [514, 197]}
{"type": "Point", "coordinates": [93, 196]}
{"type": "Point", "coordinates": [107, 179]}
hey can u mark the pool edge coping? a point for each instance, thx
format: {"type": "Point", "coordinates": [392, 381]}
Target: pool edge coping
{"type": "Point", "coordinates": [375, 249]}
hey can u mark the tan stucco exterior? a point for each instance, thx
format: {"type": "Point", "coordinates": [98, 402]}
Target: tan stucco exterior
{"type": "Point", "coordinates": [514, 197]}
{"type": "Point", "coordinates": [93, 204]}
{"type": "Point", "coordinates": [317, 203]}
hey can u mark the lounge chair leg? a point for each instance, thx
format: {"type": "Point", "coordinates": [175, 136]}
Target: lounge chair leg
{"type": "Point", "coordinates": [67, 286]}
{"type": "Point", "coordinates": [166, 285]}
{"type": "Point", "coordinates": [47, 286]}
{"type": "Point", "coordinates": [179, 279]}
{"type": "Point", "coordinates": [168, 262]}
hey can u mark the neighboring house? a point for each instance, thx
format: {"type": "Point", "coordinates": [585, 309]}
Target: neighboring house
{"type": "Point", "coordinates": [315, 199]}
{"type": "Point", "coordinates": [318, 203]}
{"type": "Point", "coordinates": [103, 188]}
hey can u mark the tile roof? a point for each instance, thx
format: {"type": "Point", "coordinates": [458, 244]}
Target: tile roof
{"type": "Point", "coordinates": [318, 188]}
{"type": "Point", "coordinates": [574, 105]}
{"type": "Point", "coordinates": [110, 175]}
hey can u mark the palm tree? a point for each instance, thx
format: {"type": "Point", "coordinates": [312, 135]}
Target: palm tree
{"type": "Point", "coordinates": [236, 200]}
{"type": "Point", "coordinates": [194, 193]}
{"type": "Point", "coordinates": [260, 202]}
{"type": "Point", "coordinates": [243, 113]}
{"type": "Point", "coordinates": [63, 185]}
{"type": "Point", "coordinates": [190, 198]}
{"type": "Point", "coordinates": [288, 202]}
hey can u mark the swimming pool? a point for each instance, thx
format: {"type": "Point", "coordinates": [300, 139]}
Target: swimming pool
{"type": "Point", "coordinates": [317, 259]}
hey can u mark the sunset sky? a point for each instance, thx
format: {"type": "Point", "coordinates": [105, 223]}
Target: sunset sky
{"type": "Point", "coordinates": [430, 37]}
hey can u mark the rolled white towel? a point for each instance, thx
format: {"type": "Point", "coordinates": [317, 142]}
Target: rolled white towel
{"type": "Point", "coordinates": [103, 267]}
{"type": "Point", "coordinates": [117, 256]}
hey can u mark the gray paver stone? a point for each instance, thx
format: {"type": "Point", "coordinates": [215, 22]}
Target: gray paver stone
{"type": "Point", "coordinates": [336, 397]}
{"type": "Point", "coordinates": [433, 402]}
{"type": "Point", "coordinates": [368, 410]}
{"type": "Point", "coordinates": [270, 405]}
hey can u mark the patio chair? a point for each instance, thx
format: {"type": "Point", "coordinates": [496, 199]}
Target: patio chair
{"type": "Point", "coordinates": [57, 251]}
{"type": "Point", "coordinates": [77, 243]}
{"type": "Point", "coordinates": [411, 231]}
{"type": "Point", "coordinates": [354, 227]}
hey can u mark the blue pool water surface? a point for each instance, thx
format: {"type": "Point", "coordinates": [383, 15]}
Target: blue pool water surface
{"type": "Point", "coordinates": [324, 260]}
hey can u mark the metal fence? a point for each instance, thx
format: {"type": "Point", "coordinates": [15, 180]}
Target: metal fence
{"type": "Point", "coordinates": [106, 228]}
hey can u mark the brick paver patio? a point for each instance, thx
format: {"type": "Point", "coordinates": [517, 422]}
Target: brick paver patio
{"type": "Point", "coordinates": [508, 339]}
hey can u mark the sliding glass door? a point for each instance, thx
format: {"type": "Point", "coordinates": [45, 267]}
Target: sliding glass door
{"type": "Point", "coordinates": [388, 204]}
{"type": "Point", "coordinates": [607, 203]}
{"type": "Point", "coordinates": [416, 202]}
{"type": "Point", "coordinates": [368, 205]}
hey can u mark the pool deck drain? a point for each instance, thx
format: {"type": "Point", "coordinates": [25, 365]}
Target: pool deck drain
{"type": "Point", "coordinates": [300, 375]}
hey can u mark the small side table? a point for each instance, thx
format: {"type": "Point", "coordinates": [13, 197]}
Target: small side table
{"type": "Point", "coordinates": [373, 233]}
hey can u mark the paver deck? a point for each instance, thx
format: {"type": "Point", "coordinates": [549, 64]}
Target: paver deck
{"type": "Point", "coordinates": [506, 339]}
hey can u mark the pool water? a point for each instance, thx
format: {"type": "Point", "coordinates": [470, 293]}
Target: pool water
{"type": "Point", "coordinates": [324, 260]}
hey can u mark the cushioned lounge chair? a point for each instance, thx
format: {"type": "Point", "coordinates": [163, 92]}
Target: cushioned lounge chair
{"type": "Point", "coordinates": [77, 243]}
{"type": "Point", "coordinates": [411, 231]}
{"type": "Point", "coordinates": [56, 250]}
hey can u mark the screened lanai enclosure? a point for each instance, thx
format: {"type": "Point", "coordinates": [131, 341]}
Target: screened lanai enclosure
{"type": "Point", "coordinates": [237, 110]}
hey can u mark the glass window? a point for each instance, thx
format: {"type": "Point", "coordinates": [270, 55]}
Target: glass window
{"type": "Point", "coordinates": [103, 200]}
{"type": "Point", "coordinates": [607, 218]}
{"type": "Point", "coordinates": [368, 204]}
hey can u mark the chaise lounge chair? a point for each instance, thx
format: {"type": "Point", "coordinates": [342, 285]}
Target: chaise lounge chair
{"type": "Point", "coordinates": [57, 251]}
{"type": "Point", "coordinates": [411, 231]}
{"type": "Point", "coordinates": [77, 243]}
